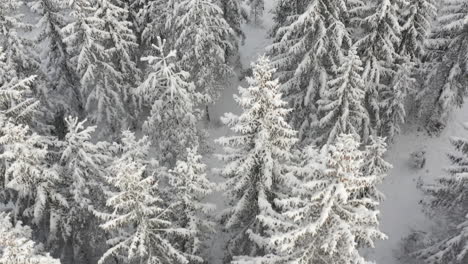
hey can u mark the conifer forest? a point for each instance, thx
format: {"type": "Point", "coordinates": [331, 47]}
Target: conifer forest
{"type": "Point", "coordinates": [233, 132]}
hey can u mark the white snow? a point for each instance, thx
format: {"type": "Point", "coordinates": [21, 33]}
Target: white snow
{"type": "Point", "coordinates": [401, 211]}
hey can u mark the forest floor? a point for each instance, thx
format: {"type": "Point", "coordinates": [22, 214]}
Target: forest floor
{"type": "Point", "coordinates": [401, 211]}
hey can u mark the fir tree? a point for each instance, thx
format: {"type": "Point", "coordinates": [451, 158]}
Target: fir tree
{"type": "Point", "coordinates": [139, 219]}
{"type": "Point", "coordinates": [256, 10]}
{"type": "Point", "coordinates": [416, 24]}
{"type": "Point", "coordinates": [18, 49]}
{"type": "Point", "coordinates": [190, 186]}
{"type": "Point", "coordinates": [235, 15]}
{"type": "Point", "coordinates": [172, 123]}
{"type": "Point", "coordinates": [202, 36]}
{"type": "Point", "coordinates": [82, 170]}
{"type": "Point", "coordinates": [121, 46]}
{"type": "Point", "coordinates": [375, 164]}
{"type": "Point", "coordinates": [86, 39]}
{"type": "Point", "coordinates": [23, 156]}
{"type": "Point", "coordinates": [306, 49]}
{"type": "Point", "coordinates": [63, 88]}
{"type": "Point", "coordinates": [27, 172]}
{"type": "Point", "coordinates": [343, 104]}
{"type": "Point", "coordinates": [255, 159]}
{"type": "Point", "coordinates": [325, 219]}
{"type": "Point", "coordinates": [449, 197]}
{"type": "Point", "coordinates": [446, 79]}
{"type": "Point", "coordinates": [16, 246]}
{"type": "Point", "coordinates": [378, 50]}
{"type": "Point", "coordinates": [149, 20]}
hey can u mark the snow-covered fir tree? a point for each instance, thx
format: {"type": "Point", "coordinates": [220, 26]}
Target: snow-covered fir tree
{"type": "Point", "coordinates": [16, 246]}
{"type": "Point", "coordinates": [189, 186]}
{"type": "Point", "coordinates": [415, 27]}
{"type": "Point", "coordinates": [326, 219]}
{"type": "Point", "coordinates": [18, 49]}
{"type": "Point", "coordinates": [82, 171]}
{"type": "Point", "coordinates": [394, 98]}
{"type": "Point", "coordinates": [285, 12]}
{"type": "Point", "coordinates": [255, 158]}
{"type": "Point", "coordinates": [235, 15]}
{"type": "Point", "coordinates": [447, 68]}
{"type": "Point", "coordinates": [377, 47]}
{"type": "Point", "coordinates": [449, 197]}
{"type": "Point", "coordinates": [87, 38]}
{"type": "Point", "coordinates": [306, 49]}
{"type": "Point", "coordinates": [256, 10]}
{"type": "Point", "coordinates": [121, 47]}
{"type": "Point", "coordinates": [375, 164]}
{"type": "Point", "coordinates": [139, 218]}
{"type": "Point", "coordinates": [26, 174]}
{"type": "Point", "coordinates": [201, 37]}
{"type": "Point", "coordinates": [172, 122]}
{"type": "Point", "coordinates": [150, 20]}
{"type": "Point", "coordinates": [63, 86]}
{"type": "Point", "coordinates": [342, 108]}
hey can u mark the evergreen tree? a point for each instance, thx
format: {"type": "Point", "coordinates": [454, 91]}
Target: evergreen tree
{"type": "Point", "coordinates": [101, 81]}
{"type": "Point", "coordinates": [234, 14]}
{"type": "Point", "coordinates": [285, 12]}
{"type": "Point", "coordinates": [82, 170]}
{"type": "Point", "coordinates": [393, 100]}
{"type": "Point", "coordinates": [150, 20]}
{"type": "Point", "coordinates": [375, 164]}
{"type": "Point", "coordinates": [325, 219]}
{"type": "Point", "coordinates": [26, 173]}
{"type": "Point", "coordinates": [63, 88]}
{"type": "Point", "coordinates": [16, 246]}
{"type": "Point", "coordinates": [416, 24]}
{"type": "Point", "coordinates": [139, 219]}
{"type": "Point", "coordinates": [189, 186]}
{"type": "Point", "coordinates": [255, 158]}
{"type": "Point", "coordinates": [172, 123]}
{"type": "Point", "coordinates": [449, 197]}
{"type": "Point", "coordinates": [256, 10]}
{"type": "Point", "coordinates": [306, 50]}
{"type": "Point", "coordinates": [378, 50]}
{"type": "Point", "coordinates": [121, 46]}
{"type": "Point", "coordinates": [202, 36]}
{"type": "Point", "coordinates": [19, 53]}
{"type": "Point", "coordinates": [447, 79]}
{"type": "Point", "coordinates": [343, 104]}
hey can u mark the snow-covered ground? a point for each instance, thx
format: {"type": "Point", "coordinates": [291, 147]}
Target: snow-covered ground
{"type": "Point", "coordinates": [401, 212]}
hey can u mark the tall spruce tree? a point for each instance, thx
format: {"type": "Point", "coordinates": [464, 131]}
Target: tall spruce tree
{"type": "Point", "coordinates": [63, 84]}
{"type": "Point", "coordinates": [235, 15]}
{"type": "Point", "coordinates": [18, 49]}
{"type": "Point", "coordinates": [447, 69]}
{"type": "Point", "coordinates": [342, 108]}
{"type": "Point", "coordinates": [325, 217]}
{"type": "Point", "coordinates": [255, 158]}
{"type": "Point", "coordinates": [377, 48]}
{"type": "Point", "coordinates": [139, 218]}
{"type": "Point", "coordinates": [202, 36]}
{"type": "Point", "coordinates": [96, 36]}
{"type": "Point", "coordinates": [17, 246]}
{"type": "Point", "coordinates": [189, 186]}
{"type": "Point", "coordinates": [306, 50]}
{"type": "Point", "coordinates": [82, 172]}
{"type": "Point", "coordinates": [172, 123]}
